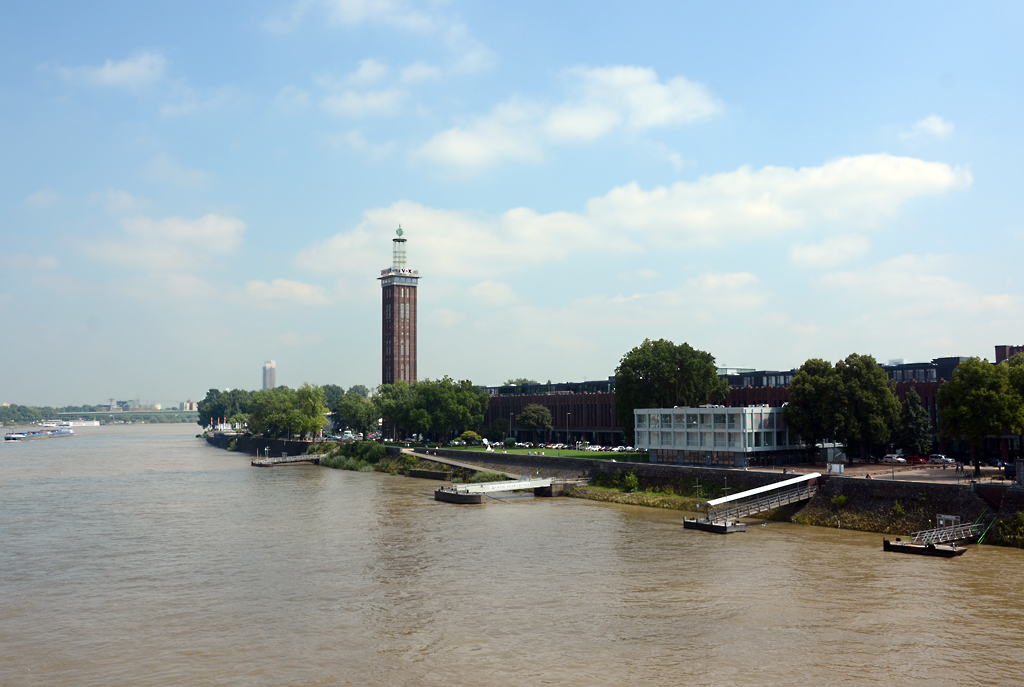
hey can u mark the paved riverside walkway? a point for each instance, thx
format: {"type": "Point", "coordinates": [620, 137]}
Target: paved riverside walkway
{"type": "Point", "coordinates": [459, 464]}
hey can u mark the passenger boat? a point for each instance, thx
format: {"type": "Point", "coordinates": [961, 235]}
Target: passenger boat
{"type": "Point", "coordinates": [939, 550]}
{"type": "Point", "coordinates": [40, 434]}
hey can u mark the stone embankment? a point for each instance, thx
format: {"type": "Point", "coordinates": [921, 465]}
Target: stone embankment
{"type": "Point", "coordinates": [649, 475]}
{"type": "Point", "coordinates": [892, 507]}
{"type": "Point", "coordinates": [252, 445]}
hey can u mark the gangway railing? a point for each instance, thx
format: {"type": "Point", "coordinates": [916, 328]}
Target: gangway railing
{"type": "Point", "coordinates": [282, 460]}
{"type": "Point", "coordinates": [942, 535]}
{"type": "Point", "coordinates": [504, 485]}
{"type": "Point", "coordinates": [768, 496]}
{"type": "Point", "coordinates": [758, 505]}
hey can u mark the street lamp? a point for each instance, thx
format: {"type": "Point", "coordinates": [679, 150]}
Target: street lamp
{"type": "Point", "coordinates": [568, 423]}
{"type": "Point", "coordinates": [510, 413]}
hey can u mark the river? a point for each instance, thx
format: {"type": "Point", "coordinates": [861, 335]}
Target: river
{"type": "Point", "coordinates": [138, 555]}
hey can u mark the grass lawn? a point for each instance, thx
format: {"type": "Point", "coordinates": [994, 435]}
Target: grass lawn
{"type": "Point", "coordinates": [597, 455]}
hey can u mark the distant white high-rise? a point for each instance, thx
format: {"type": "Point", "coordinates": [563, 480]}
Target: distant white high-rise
{"type": "Point", "coordinates": [269, 375]}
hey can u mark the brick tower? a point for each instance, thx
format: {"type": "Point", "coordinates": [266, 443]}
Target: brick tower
{"type": "Point", "coordinates": [398, 318]}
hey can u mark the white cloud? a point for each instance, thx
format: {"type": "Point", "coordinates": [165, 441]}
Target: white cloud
{"type": "Point", "coordinates": [495, 293]}
{"type": "Point", "coordinates": [353, 104]}
{"type": "Point", "coordinates": [29, 262]}
{"type": "Point", "coordinates": [446, 317]}
{"type": "Point", "coordinates": [932, 125]}
{"type": "Point", "coordinates": [400, 14]}
{"type": "Point", "coordinates": [355, 140]}
{"type": "Point", "coordinates": [506, 133]}
{"type": "Point", "coordinates": [419, 71]}
{"type": "Point", "coordinates": [296, 340]}
{"type": "Point", "coordinates": [640, 98]}
{"type": "Point", "coordinates": [283, 292]}
{"type": "Point", "coordinates": [452, 241]}
{"type": "Point", "coordinates": [469, 55]}
{"type": "Point", "coordinates": [914, 298]}
{"type": "Point", "coordinates": [172, 244]}
{"type": "Point", "coordinates": [603, 99]}
{"type": "Point", "coordinates": [370, 71]}
{"type": "Point", "coordinates": [581, 122]}
{"type": "Point", "coordinates": [116, 202]}
{"type": "Point", "coordinates": [745, 205]}
{"type": "Point", "coordinates": [189, 102]}
{"type": "Point", "coordinates": [291, 99]}
{"type": "Point", "coordinates": [44, 198]}
{"type": "Point", "coordinates": [164, 168]}
{"type": "Point", "coordinates": [141, 69]}
{"type": "Point", "coordinates": [396, 13]}
{"type": "Point", "coordinates": [474, 56]}
{"type": "Point", "coordinates": [833, 251]}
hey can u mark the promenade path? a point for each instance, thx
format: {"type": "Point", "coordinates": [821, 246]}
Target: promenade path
{"type": "Point", "coordinates": [460, 464]}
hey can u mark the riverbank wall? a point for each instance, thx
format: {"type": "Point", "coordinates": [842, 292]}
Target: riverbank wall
{"type": "Point", "coordinates": [649, 475]}
{"type": "Point", "coordinates": [890, 507]}
{"type": "Point", "coordinates": [273, 448]}
{"type": "Point", "coordinates": [876, 505]}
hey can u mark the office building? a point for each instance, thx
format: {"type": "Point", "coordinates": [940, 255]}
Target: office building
{"type": "Point", "coordinates": [398, 317]}
{"type": "Point", "coordinates": [1007, 352]}
{"type": "Point", "coordinates": [269, 375]}
{"type": "Point", "coordinates": [717, 436]}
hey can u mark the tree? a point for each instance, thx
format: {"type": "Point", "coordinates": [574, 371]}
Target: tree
{"type": "Point", "coordinates": [661, 374]}
{"type": "Point", "coordinates": [332, 392]}
{"type": "Point", "coordinates": [913, 434]}
{"type": "Point", "coordinates": [441, 407]}
{"type": "Point", "coordinates": [497, 430]}
{"type": "Point", "coordinates": [519, 381]}
{"type": "Point", "coordinates": [815, 402]}
{"type": "Point", "coordinates": [393, 403]}
{"type": "Point", "coordinates": [220, 405]}
{"type": "Point", "coordinates": [311, 410]}
{"type": "Point", "coordinates": [356, 412]}
{"type": "Point", "coordinates": [1015, 376]}
{"type": "Point", "coordinates": [273, 412]}
{"type": "Point", "coordinates": [360, 390]}
{"type": "Point", "coordinates": [976, 402]}
{"type": "Point", "coordinates": [870, 409]}
{"type": "Point", "coordinates": [535, 417]}
{"type": "Point", "coordinates": [470, 437]}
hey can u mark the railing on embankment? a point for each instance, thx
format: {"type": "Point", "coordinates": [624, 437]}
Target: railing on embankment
{"type": "Point", "coordinates": [286, 460]}
{"type": "Point", "coordinates": [759, 505]}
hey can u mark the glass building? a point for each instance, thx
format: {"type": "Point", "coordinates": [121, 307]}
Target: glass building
{"type": "Point", "coordinates": [717, 436]}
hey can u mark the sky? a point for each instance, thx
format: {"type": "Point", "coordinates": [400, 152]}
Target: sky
{"type": "Point", "coordinates": [189, 189]}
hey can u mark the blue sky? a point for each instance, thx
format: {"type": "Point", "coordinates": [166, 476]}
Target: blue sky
{"type": "Point", "coordinates": [189, 189]}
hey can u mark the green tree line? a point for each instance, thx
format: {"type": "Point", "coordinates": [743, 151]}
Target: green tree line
{"type": "Point", "coordinates": [440, 409]}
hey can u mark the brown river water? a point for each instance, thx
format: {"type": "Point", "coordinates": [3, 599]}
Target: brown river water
{"type": "Point", "coordinates": [138, 555]}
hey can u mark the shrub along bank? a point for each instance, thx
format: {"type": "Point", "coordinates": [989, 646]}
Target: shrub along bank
{"type": "Point", "coordinates": [887, 507]}
{"type": "Point", "coordinates": [369, 456]}
{"type": "Point", "coordinates": [624, 487]}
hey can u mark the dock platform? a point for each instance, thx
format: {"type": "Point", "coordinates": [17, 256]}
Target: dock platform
{"type": "Point", "coordinates": [711, 526]}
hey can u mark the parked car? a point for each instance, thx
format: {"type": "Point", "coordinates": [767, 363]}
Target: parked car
{"type": "Point", "coordinates": [939, 459]}
{"type": "Point", "coordinates": [893, 458]}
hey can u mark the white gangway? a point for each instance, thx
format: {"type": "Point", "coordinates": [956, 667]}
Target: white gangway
{"type": "Point", "coordinates": [770, 496]}
{"type": "Point", "coordinates": [504, 485]}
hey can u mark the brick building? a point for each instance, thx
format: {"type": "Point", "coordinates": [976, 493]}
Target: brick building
{"type": "Point", "coordinates": [398, 317]}
{"type": "Point", "coordinates": [586, 416]}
